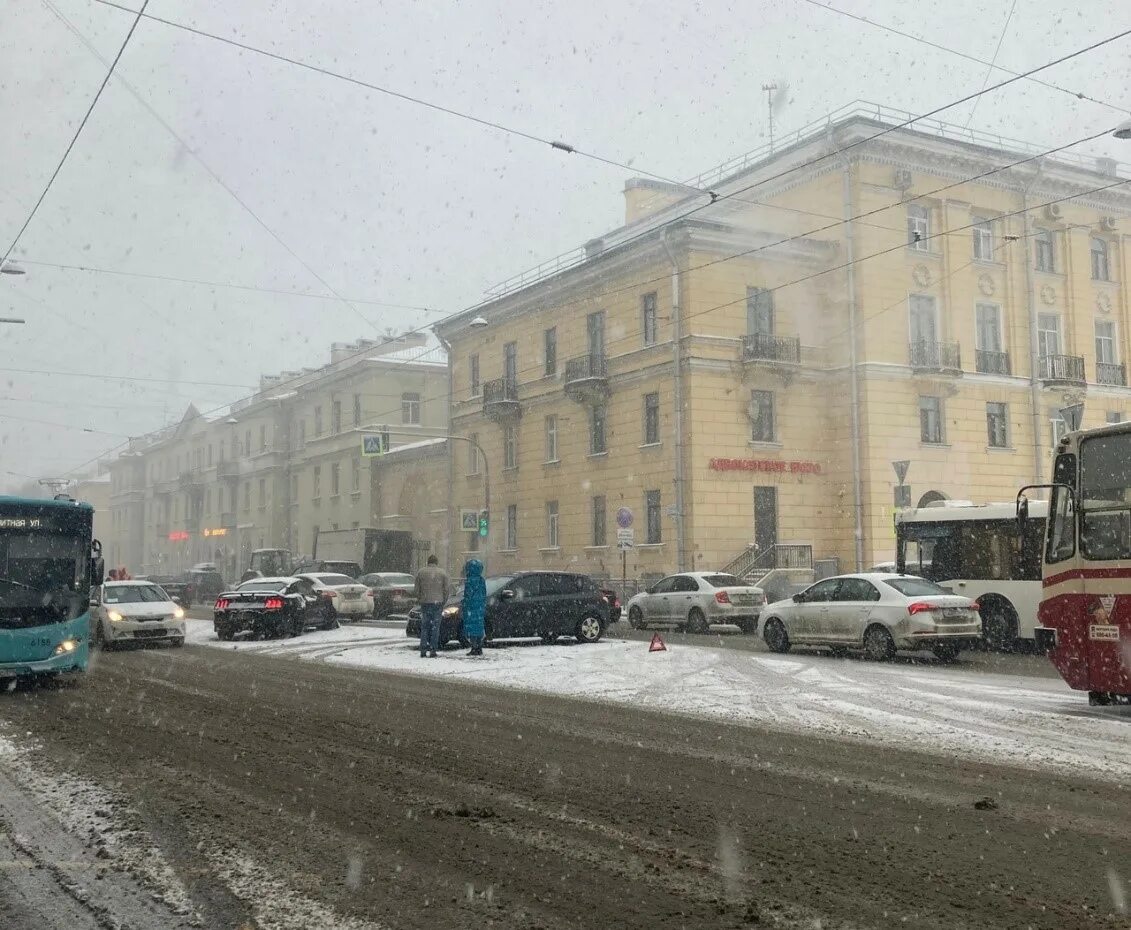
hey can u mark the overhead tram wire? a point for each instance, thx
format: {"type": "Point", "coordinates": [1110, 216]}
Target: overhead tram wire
{"type": "Point", "coordinates": [993, 61]}
{"type": "Point", "coordinates": [75, 138]}
{"type": "Point", "coordinates": [973, 58]}
{"type": "Point", "coordinates": [556, 144]}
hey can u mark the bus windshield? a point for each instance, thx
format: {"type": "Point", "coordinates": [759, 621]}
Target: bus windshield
{"type": "Point", "coordinates": [42, 578]}
{"type": "Point", "coordinates": [1105, 497]}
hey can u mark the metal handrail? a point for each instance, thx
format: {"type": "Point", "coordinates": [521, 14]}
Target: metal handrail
{"type": "Point", "coordinates": [586, 366]}
{"type": "Point", "coordinates": [1110, 373]}
{"type": "Point", "coordinates": [768, 347]}
{"type": "Point", "coordinates": [500, 389]}
{"type": "Point", "coordinates": [936, 355]}
{"type": "Point", "coordinates": [1062, 368]}
{"type": "Point", "coordinates": [992, 363]}
{"type": "Point", "coordinates": [784, 556]}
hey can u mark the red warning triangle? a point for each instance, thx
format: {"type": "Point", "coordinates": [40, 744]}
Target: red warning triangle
{"type": "Point", "coordinates": [657, 644]}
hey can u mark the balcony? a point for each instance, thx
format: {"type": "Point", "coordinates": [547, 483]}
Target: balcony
{"type": "Point", "coordinates": [191, 480]}
{"type": "Point", "coordinates": [1111, 373]}
{"type": "Point", "coordinates": [775, 351]}
{"type": "Point", "coordinates": [587, 379]}
{"type": "Point", "coordinates": [1061, 369]}
{"type": "Point", "coordinates": [936, 357]}
{"type": "Point", "coordinates": [500, 399]}
{"type": "Point", "coordinates": [992, 363]}
{"type": "Point", "coordinates": [229, 468]}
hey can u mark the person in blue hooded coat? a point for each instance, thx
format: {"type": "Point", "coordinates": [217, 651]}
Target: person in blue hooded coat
{"type": "Point", "coordinates": [474, 606]}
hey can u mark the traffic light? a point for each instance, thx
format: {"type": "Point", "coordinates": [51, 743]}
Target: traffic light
{"type": "Point", "coordinates": [483, 522]}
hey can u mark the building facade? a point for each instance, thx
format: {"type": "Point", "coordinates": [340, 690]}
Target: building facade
{"type": "Point", "coordinates": [734, 377]}
{"type": "Point", "coordinates": [287, 462]}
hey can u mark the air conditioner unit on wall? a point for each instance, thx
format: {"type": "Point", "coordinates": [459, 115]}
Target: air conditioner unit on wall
{"type": "Point", "coordinates": [1053, 211]}
{"type": "Point", "coordinates": [1108, 224]}
{"type": "Point", "coordinates": [902, 179]}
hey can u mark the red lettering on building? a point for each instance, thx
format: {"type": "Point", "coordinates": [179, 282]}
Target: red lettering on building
{"type": "Point", "coordinates": [767, 465]}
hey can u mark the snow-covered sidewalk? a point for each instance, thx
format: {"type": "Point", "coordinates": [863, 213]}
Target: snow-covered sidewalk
{"type": "Point", "coordinates": [949, 710]}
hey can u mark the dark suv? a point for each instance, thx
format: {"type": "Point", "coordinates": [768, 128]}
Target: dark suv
{"type": "Point", "coordinates": [528, 604]}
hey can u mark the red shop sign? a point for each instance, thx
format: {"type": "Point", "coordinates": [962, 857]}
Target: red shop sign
{"type": "Point", "coordinates": [770, 465]}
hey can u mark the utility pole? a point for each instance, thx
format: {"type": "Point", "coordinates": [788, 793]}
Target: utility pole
{"type": "Point", "coordinates": [769, 89]}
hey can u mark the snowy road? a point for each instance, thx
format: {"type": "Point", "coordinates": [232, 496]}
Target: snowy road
{"type": "Point", "coordinates": [1027, 721]}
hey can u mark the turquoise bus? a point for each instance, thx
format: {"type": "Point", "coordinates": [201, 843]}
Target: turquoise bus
{"type": "Point", "coordinates": [48, 563]}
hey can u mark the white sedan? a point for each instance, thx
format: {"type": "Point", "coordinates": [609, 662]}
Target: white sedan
{"type": "Point", "coordinates": [135, 611]}
{"type": "Point", "coordinates": [350, 598]}
{"type": "Point", "coordinates": [878, 612]}
{"type": "Point", "coordinates": [692, 601]}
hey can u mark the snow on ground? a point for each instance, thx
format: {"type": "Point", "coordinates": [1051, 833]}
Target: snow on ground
{"type": "Point", "coordinates": [934, 708]}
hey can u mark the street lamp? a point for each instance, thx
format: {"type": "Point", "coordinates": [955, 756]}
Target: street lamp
{"type": "Point", "coordinates": [10, 267]}
{"type": "Point", "coordinates": [1123, 130]}
{"type": "Point", "coordinates": [11, 319]}
{"type": "Point", "coordinates": [478, 322]}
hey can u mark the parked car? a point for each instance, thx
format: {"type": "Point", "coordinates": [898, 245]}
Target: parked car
{"type": "Point", "coordinates": [529, 604]}
{"type": "Point", "coordinates": [393, 592]}
{"type": "Point", "coordinates": [271, 608]}
{"type": "Point", "coordinates": [207, 581]}
{"type": "Point", "coordinates": [348, 598]}
{"type": "Point", "coordinates": [135, 611]}
{"type": "Point", "coordinates": [692, 601]}
{"type": "Point", "coordinates": [877, 612]}
{"type": "Point", "coordinates": [336, 567]}
{"type": "Point", "coordinates": [180, 589]}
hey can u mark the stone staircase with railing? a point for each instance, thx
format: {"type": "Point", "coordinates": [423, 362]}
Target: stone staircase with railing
{"type": "Point", "coordinates": [779, 570]}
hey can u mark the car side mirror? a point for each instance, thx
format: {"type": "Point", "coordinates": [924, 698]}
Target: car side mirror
{"type": "Point", "coordinates": [506, 594]}
{"type": "Point", "coordinates": [93, 601]}
{"type": "Point", "coordinates": [798, 598]}
{"type": "Point", "coordinates": [1022, 514]}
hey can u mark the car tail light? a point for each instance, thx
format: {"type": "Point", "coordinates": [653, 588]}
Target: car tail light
{"type": "Point", "coordinates": [222, 603]}
{"type": "Point", "coordinates": [976, 606]}
{"type": "Point", "coordinates": [274, 603]}
{"type": "Point", "coordinates": [722, 597]}
{"type": "Point", "coordinates": [329, 593]}
{"type": "Point", "coordinates": [920, 606]}
{"type": "Point", "coordinates": [372, 593]}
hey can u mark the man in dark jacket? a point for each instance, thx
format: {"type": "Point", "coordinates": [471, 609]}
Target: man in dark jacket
{"type": "Point", "coordinates": [431, 592]}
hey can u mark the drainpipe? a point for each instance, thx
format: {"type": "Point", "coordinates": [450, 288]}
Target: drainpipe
{"type": "Point", "coordinates": [677, 361]}
{"type": "Point", "coordinates": [451, 461]}
{"type": "Point", "coordinates": [1034, 344]}
{"type": "Point", "coordinates": [854, 376]}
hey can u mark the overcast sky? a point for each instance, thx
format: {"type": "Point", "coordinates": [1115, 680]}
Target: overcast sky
{"type": "Point", "coordinates": [388, 201]}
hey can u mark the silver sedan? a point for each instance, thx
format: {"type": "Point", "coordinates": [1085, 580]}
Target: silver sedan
{"type": "Point", "coordinates": [878, 612]}
{"type": "Point", "coordinates": [692, 601]}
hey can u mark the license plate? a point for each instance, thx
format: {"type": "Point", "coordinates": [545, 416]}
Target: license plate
{"type": "Point", "coordinates": [954, 614]}
{"type": "Point", "coordinates": [352, 595]}
{"type": "Point", "coordinates": [1103, 632]}
{"type": "Point", "coordinates": [148, 634]}
{"type": "Point", "coordinates": [743, 599]}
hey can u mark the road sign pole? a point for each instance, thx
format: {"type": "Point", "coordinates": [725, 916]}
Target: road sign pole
{"type": "Point", "coordinates": [623, 577]}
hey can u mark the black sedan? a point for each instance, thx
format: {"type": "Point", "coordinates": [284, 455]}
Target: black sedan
{"type": "Point", "coordinates": [270, 608]}
{"type": "Point", "coordinates": [543, 604]}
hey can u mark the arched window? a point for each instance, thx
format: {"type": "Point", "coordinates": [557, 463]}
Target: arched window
{"type": "Point", "coordinates": [1101, 265]}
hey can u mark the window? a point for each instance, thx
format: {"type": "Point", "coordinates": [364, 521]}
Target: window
{"type": "Point", "coordinates": [356, 475]}
{"type": "Point", "coordinates": [595, 333]}
{"type": "Point", "coordinates": [262, 437]}
{"type": "Point", "coordinates": [762, 416]}
{"type": "Point", "coordinates": [207, 504]}
{"type": "Point", "coordinates": [357, 410]}
{"type": "Point", "coordinates": [336, 416]}
{"type": "Point", "coordinates": [550, 350]}
{"type": "Point", "coordinates": [511, 540]}
{"type": "Point", "coordinates": [654, 529]}
{"type": "Point", "coordinates": [262, 492]}
{"type": "Point", "coordinates": [473, 454]}
{"type": "Point", "coordinates": [983, 239]}
{"type": "Point", "coordinates": [930, 419]}
{"type": "Point", "coordinates": [335, 479]}
{"type": "Point", "coordinates": [997, 425]}
{"type": "Point", "coordinates": [510, 362]}
{"type": "Point", "coordinates": [651, 419]}
{"type": "Point", "coordinates": [210, 454]}
{"type": "Point", "coordinates": [473, 373]}
{"type": "Point", "coordinates": [1062, 531]}
{"type": "Point", "coordinates": [301, 433]}
{"type": "Point", "coordinates": [294, 489]}
{"type": "Point", "coordinates": [597, 431]}
{"type": "Point", "coordinates": [759, 311]}
{"type": "Point", "coordinates": [1048, 334]}
{"type": "Point", "coordinates": [317, 481]}
{"type": "Point", "coordinates": [552, 524]}
{"type": "Point", "coordinates": [510, 447]}
{"type": "Point", "coordinates": [318, 420]}
{"type": "Point", "coordinates": [1045, 248]}
{"type": "Point", "coordinates": [1058, 429]}
{"type": "Point", "coordinates": [856, 589]}
{"type": "Point", "coordinates": [246, 444]}
{"type": "Point", "coordinates": [923, 320]}
{"type": "Point", "coordinates": [918, 227]}
{"type": "Point", "coordinates": [410, 408]}
{"type": "Point", "coordinates": [1101, 268]}
{"type": "Point", "coordinates": [246, 496]}
{"type": "Point", "coordinates": [1114, 416]}
{"type": "Point", "coordinates": [648, 322]}
{"type": "Point", "coordinates": [599, 513]}
{"type": "Point", "coordinates": [988, 322]}
{"type": "Point", "coordinates": [551, 438]}
{"type": "Point", "coordinates": [1105, 342]}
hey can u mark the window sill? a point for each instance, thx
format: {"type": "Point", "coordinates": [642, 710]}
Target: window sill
{"type": "Point", "coordinates": [474, 474]}
{"type": "Point", "coordinates": [766, 444]}
{"type": "Point", "coordinates": [596, 548]}
{"type": "Point", "coordinates": [923, 444]}
{"type": "Point", "coordinates": [597, 455]}
{"type": "Point", "coordinates": [988, 263]}
{"type": "Point", "coordinates": [925, 253]}
{"type": "Point", "coordinates": [1001, 449]}
{"type": "Point", "coordinates": [658, 545]}
{"type": "Point", "coordinates": [1103, 281]}
{"type": "Point", "coordinates": [509, 469]}
{"type": "Point", "coordinates": [650, 445]}
{"type": "Point", "coordinates": [316, 500]}
{"type": "Point", "coordinates": [550, 549]}
{"type": "Point", "coordinates": [552, 462]}
{"type": "Point", "coordinates": [355, 494]}
{"type": "Point", "coordinates": [335, 497]}
{"type": "Point", "coordinates": [508, 551]}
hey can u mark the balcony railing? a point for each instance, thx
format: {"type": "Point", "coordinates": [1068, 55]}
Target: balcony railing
{"type": "Point", "coordinates": [587, 378]}
{"type": "Point", "coordinates": [229, 468]}
{"type": "Point", "coordinates": [992, 363]}
{"type": "Point", "coordinates": [1061, 369]}
{"type": "Point", "coordinates": [1110, 373]}
{"type": "Point", "coordinates": [190, 480]}
{"type": "Point", "coordinates": [936, 356]}
{"type": "Point", "coordinates": [500, 398]}
{"type": "Point", "coordinates": [766, 347]}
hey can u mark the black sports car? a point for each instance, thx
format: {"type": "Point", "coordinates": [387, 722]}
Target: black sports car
{"type": "Point", "coordinates": [271, 608]}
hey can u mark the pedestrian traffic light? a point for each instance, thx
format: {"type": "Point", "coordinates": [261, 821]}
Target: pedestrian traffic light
{"type": "Point", "coordinates": [483, 522]}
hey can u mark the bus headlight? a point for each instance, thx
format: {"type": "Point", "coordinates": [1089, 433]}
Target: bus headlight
{"type": "Point", "coordinates": [114, 616]}
{"type": "Point", "coordinates": [67, 645]}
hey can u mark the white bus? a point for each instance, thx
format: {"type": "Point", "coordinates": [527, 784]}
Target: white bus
{"type": "Point", "coordinates": [974, 549]}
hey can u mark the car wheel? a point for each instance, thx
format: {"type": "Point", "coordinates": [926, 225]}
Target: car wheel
{"type": "Point", "coordinates": [636, 619]}
{"type": "Point", "coordinates": [878, 644]}
{"type": "Point", "coordinates": [225, 635]}
{"type": "Point", "coordinates": [330, 622]}
{"type": "Point", "coordinates": [696, 622]}
{"type": "Point", "coordinates": [999, 625]}
{"type": "Point", "coordinates": [588, 630]}
{"type": "Point", "coordinates": [776, 636]}
{"type": "Point", "coordinates": [945, 652]}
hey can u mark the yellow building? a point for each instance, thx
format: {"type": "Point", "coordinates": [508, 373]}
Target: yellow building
{"type": "Point", "coordinates": [742, 374]}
